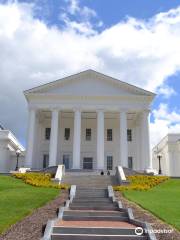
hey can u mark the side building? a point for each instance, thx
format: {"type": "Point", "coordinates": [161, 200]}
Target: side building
{"type": "Point", "coordinates": [9, 145]}
{"type": "Point", "coordinates": [166, 155]}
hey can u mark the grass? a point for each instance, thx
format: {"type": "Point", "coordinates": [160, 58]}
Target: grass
{"type": "Point", "coordinates": [162, 200]}
{"type": "Point", "coordinates": [18, 199]}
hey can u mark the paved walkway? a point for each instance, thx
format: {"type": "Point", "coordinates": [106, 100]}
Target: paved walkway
{"type": "Point", "coordinates": [93, 224]}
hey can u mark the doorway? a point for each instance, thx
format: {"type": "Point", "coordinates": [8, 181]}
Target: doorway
{"type": "Point", "coordinates": [45, 160]}
{"type": "Point", "coordinates": [66, 158]}
{"type": "Point", "coordinates": [130, 162]}
{"type": "Point", "coordinates": [88, 163]}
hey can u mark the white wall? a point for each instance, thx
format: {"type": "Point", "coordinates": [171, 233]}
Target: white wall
{"type": "Point", "coordinates": [4, 158]}
{"type": "Point", "coordinates": [8, 159]}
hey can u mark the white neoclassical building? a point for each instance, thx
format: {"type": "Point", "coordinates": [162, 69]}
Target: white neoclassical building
{"type": "Point", "coordinates": [88, 121]}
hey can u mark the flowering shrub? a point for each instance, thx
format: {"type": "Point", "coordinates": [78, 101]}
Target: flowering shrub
{"type": "Point", "coordinates": [141, 182]}
{"type": "Point", "coordinates": [39, 180]}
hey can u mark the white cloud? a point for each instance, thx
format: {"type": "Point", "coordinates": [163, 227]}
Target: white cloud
{"type": "Point", "coordinates": [74, 8]}
{"type": "Point", "coordinates": [165, 122]}
{"type": "Point", "coordinates": [140, 52]}
{"type": "Point", "coordinates": [82, 24]}
{"type": "Point", "coordinates": [166, 91]}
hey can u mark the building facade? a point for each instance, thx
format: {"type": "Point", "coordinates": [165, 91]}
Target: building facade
{"type": "Point", "coordinates": [8, 147]}
{"type": "Point", "coordinates": [88, 121]}
{"type": "Point", "coordinates": [166, 155]}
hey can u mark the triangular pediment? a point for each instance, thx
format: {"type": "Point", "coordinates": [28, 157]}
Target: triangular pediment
{"type": "Point", "coordinates": [89, 83]}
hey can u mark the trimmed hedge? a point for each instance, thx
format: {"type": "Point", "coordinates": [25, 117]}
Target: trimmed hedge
{"type": "Point", "coordinates": [39, 180]}
{"type": "Point", "coordinates": [141, 182]}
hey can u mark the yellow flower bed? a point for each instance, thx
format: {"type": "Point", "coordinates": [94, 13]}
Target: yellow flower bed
{"type": "Point", "coordinates": [141, 182]}
{"type": "Point", "coordinates": [39, 180]}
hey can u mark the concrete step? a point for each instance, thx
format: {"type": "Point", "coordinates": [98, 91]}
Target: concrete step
{"type": "Point", "coordinates": [93, 194]}
{"type": "Point", "coordinates": [95, 237]}
{"type": "Point", "coordinates": [95, 218]}
{"type": "Point", "coordinates": [90, 195]}
{"type": "Point", "coordinates": [93, 200]}
{"type": "Point", "coordinates": [90, 190]}
{"type": "Point", "coordinates": [94, 230]}
{"type": "Point", "coordinates": [89, 180]}
{"type": "Point", "coordinates": [95, 213]}
{"type": "Point", "coordinates": [92, 207]}
{"type": "Point", "coordinates": [105, 204]}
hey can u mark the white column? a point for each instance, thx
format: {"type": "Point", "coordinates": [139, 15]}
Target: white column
{"type": "Point", "coordinates": [77, 139]}
{"type": "Point", "coordinates": [123, 139]}
{"type": "Point", "coordinates": [54, 137]}
{"type": "Point", "coordinates": [100, 140]}
{"type": "Point", "coordinates": [145, 141]}
{"type": "Point", "coordinates": [30, 138]}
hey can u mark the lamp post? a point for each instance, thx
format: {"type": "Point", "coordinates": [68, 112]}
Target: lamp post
{"type": "Point", "coordinates": [159, 156]}
{"type": "Point", "coordinates": [18, 152]}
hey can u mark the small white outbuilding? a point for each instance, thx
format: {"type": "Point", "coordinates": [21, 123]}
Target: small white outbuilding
{"type": "Point", "coordinates": [166, 155]}
{"type": "Point", "coordinates": [8, 147]}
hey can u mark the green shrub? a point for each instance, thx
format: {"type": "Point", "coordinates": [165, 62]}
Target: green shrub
{"type": "Point", "coordinates": [39, 180]}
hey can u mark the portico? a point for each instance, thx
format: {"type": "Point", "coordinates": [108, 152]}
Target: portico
{"type": "Point", "coordinates": [100, 126]}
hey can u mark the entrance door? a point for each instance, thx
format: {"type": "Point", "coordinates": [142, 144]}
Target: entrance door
{"type": "Point", "coordinates": [66, 161]}
{"type": "Point", "coordinates": [45, 160]}
{"type": "Point", "coordinates": [130, 162]}
{"type": "Point", "coordinates": [88, 163]}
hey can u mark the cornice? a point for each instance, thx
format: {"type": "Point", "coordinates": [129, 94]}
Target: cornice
{"type": "Point", "coordinates": [37, 96]}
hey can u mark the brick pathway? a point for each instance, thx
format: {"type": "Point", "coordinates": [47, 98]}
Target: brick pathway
{"type": "Point", "coordinates": [93, 224]}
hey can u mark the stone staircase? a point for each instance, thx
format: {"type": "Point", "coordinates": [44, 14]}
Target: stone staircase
{"type": "Point", "coordinates": [93, 213]}
{"type": "Point", "coordinates": [89, 179]}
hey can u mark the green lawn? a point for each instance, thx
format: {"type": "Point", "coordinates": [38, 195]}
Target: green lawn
{"type": "Point", "coordinates": [162, 200]}
{"type": "Point", "coordinates": [18, 199]}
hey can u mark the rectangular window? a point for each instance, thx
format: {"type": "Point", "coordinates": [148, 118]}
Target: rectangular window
{"type": "Point", "coordinates": [109, 162]}
{"type": "Point", "coordinates": [129, 135]}
{"type": "Point", "coordinates": [109, 135]}
{"type": "Point", "coordinates": [47, 133]}
{"type": "Point", "coordinates": [130, 162]}
{"type": "Point", "coordinates": [88, 134]}
{"type": "Point", "coordinates": [45, 160]}
{"type": "Point", "coordinates": [67, 134]}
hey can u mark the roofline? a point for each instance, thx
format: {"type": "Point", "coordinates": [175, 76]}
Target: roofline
{"type": "Point", "coordinates": [49, 83]}
{"type": "Point", "coordinates": [164, 138]}
{"type": "Point", "coordinates": [131, 85]}
{"type": "Point", "coordinates": [10, 136]}
{"type": "Point", "coordinates": [159, 142]}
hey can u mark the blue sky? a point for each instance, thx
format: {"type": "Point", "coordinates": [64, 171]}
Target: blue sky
{"type": "Point", "coordinates": [136, 41]}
